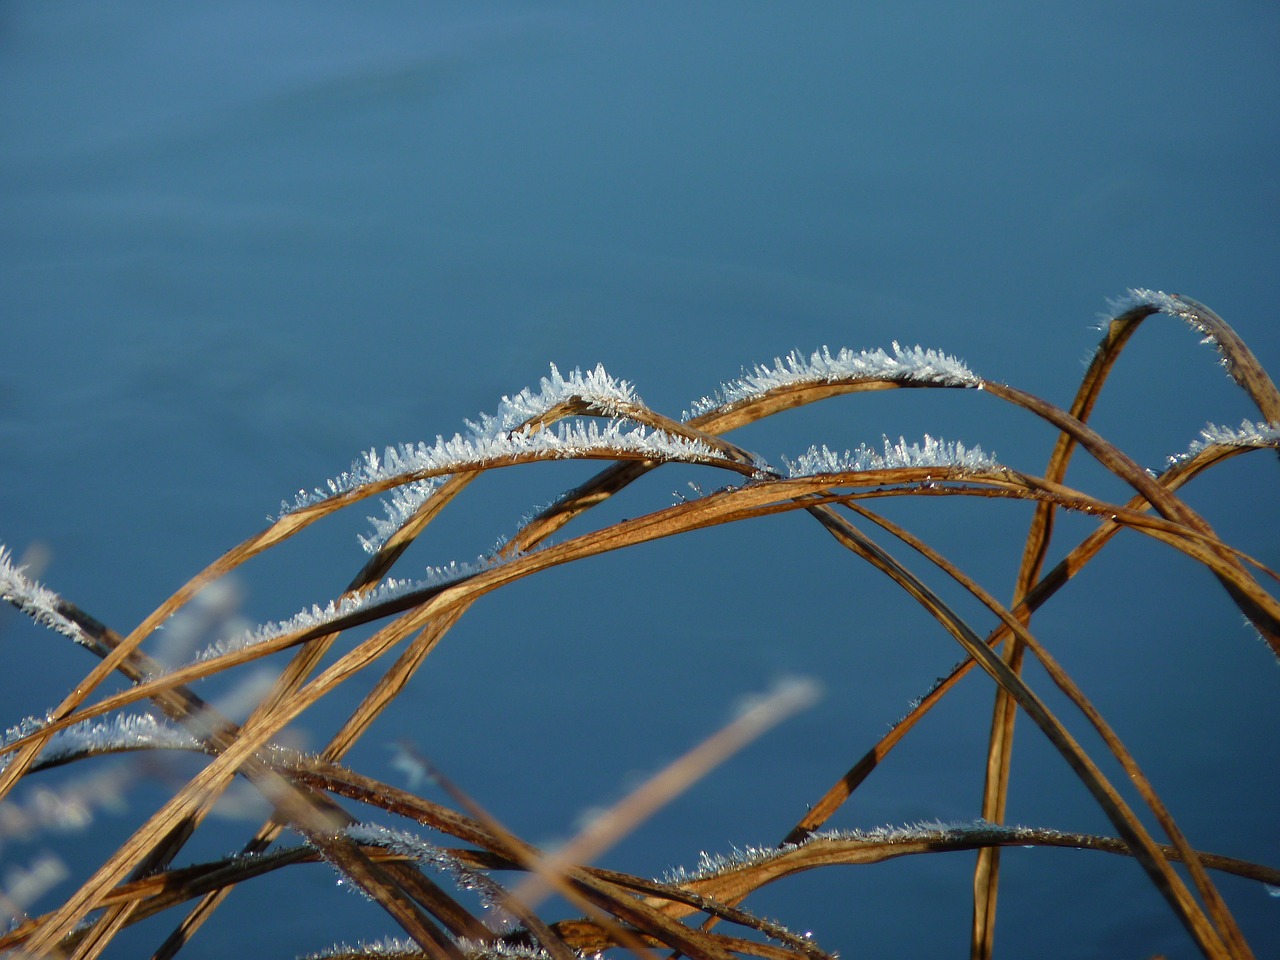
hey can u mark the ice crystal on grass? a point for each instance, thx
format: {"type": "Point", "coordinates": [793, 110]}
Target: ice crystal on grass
{"type": "Point", "coordinates": [1175, 306]}
{"type": "Point", "coordinates": [610, 395]}
{"type": "Point", "coordinates": [915, 702]}
{"type": "Point", "coordinates": [1249, 434]}
{"type": "Point", "coordinates": [907, 364]}
{"type": "Point", "coordinates": [607, 396]}
{"type": "Point", "coordinates": [411, 845]}
{"type": "Point", "coordinates": [318, 616]}
{"type": "Point", "coordinates": [930, 452]}
{"type": "Point", "coordinates": [1168, 303]}
{"type": "Point", "coordinates": [124, 732]}
{"type": "Point", "coordinates": [386, 947]}
{"type": "Point", "coordinates": [401, 842]}
{"type": "Point", "coordinates": [24, 728]}
{"type": "Point", "coordinates": [938, 830]}
{"type": "Point", "coordinates": [36, 601]}
{"type": "Point", "coordinates": [565, 439]}
{"type": "Point", "coordinates": [714, 864]}
{"type": "Point", "coordinates": [20, 731]}
{"type": "Point", "coordinates": [500, 950]}
{"type": "Point", "coordinates": [445, 457]}
{"type": "Point", "coordinates": [395, 947]}
{"type": "Point", "coordinates": [399, 506]}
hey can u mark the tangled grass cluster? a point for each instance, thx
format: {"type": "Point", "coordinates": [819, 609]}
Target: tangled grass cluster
{"type": "Point", "coordinates": [418, 871]}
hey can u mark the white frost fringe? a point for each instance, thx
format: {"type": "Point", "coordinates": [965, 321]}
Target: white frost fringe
{"type": "Point", "coordinates": [930, 453]}
{"type": "Point", "coordinates": [1174, 306]}
{"type": "Point", "coordinates": [914, 364]}
{"type": "Point", "coordinates": [36, 601]}
{"type": "Point", "coordinates": [1249, 434]}
{"type": "Point", "coordinates": [127, 731]}
{"type": "Point", "coordinates": [496, 436]}
{"type": "Point", "coordinates": [490, 438]}
{"type": "Point", "coordinates": [712, 865]}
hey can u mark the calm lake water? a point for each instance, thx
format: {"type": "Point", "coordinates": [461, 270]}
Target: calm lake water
{"type": "Point", "coordinates": [241, 245]}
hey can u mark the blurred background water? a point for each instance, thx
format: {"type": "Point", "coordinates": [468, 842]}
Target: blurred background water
{"type": "Point", "coordinates": [239, 244]}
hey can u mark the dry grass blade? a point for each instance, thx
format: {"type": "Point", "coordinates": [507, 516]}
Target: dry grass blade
{"type": "Point", "coordinates": [1000, 744]}
{"type": "Point", "coordinates": [609, 827]}
{"type": "Point", "coordinates": [1062, 573]}
{"type": "Point", "coordinates": [1246, 370]}
{"type": "Point", "coordinates": [531, 859]}
{"type": "Point", "coordinates": [1224, 922]}
{"type": "Point", "coordinates": [736, 879]}
{"type": "Point", "coordinates": [1117, 811]}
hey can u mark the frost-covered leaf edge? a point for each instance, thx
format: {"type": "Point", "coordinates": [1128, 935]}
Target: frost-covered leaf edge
{"type": "Point", "coordinates": [318, 616]}
{"type": "Point", "coordinates": [929, 452]}
{"type": "Point", "coordinates": [1248, 434]}
{"type": "Point", "coordinates": [909, 364]}
{"type": "Point", "coordinates": [398, 947]}
{"type": "Point", "coordinates": [135, 731]}
{"type": "Point", "coordinates": [612, 397]}
{"type": "Point", "coordinates": [35, 600]}
{"type": "Point", "coordinates": [446, 457]}
{"type": "Point", "coordinates": [714, 864]}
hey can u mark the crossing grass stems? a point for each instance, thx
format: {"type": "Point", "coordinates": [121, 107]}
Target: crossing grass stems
{"type": "Point", "coordinates": [425, 871]}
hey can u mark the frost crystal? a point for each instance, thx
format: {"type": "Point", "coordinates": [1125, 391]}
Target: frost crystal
{"type": "Point", "coordinates": [712, 865]}
{"type": "Point", "coordinates": [125, 732]}
{"type": "Point", "coordinates": [930, 453]}
{"type": "Point", "coordinates": [496, 438]}
{"type": "Point", "coordinates": [396, 947]}
{"type": "Point", "coordinates": [402, 842]}
{"type": "Point", "coordinates": [1168, 303]}
{"type": "Point", "coordinates": [500, 950]}
{"type": "Point", "coordinates": [36, 601]}
{"type": "Point", "coordinates": [1174, 306]}
{"type": "Point", "coordinates": [1249, 434]}
{"type": "Point", "coordinates": [408, 844]}
{"type": "Point", "coordinates": [22, 729]}
{"type": "Point", "coordinates": [402, 504]}
{"type": "Point", "coordinates": [909, 364]}
{"type": "Point", "coordinates": [305, 619]}
{"type": "Point", "coordinates": [319, 616]}
{"type": "Point", "coordinates": [565, 439]}
{"type": "Point", "coordinates": [610, 397]}
{"type": "Point", "coordinates": [386, 947]}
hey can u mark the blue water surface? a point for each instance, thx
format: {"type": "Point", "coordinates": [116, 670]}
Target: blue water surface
{"type": "Point", "coordinates": [239, 244]}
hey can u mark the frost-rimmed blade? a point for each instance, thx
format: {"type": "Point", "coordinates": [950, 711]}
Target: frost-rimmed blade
{"type": "Point", "coordinates": [36, 600]}
{"type": "Point", "coordinates": [930, 452]}
{"type": "Point", "coordinates": [915, 365]}
{"type": "Point", "coordinates": [121, 734]}
{"type": "Point", "coordinates": [420, 463]}
{"type": "Point", "coordinates": [1248, 436]}
{"type": "Point", "coordinates": [1240, 363]}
